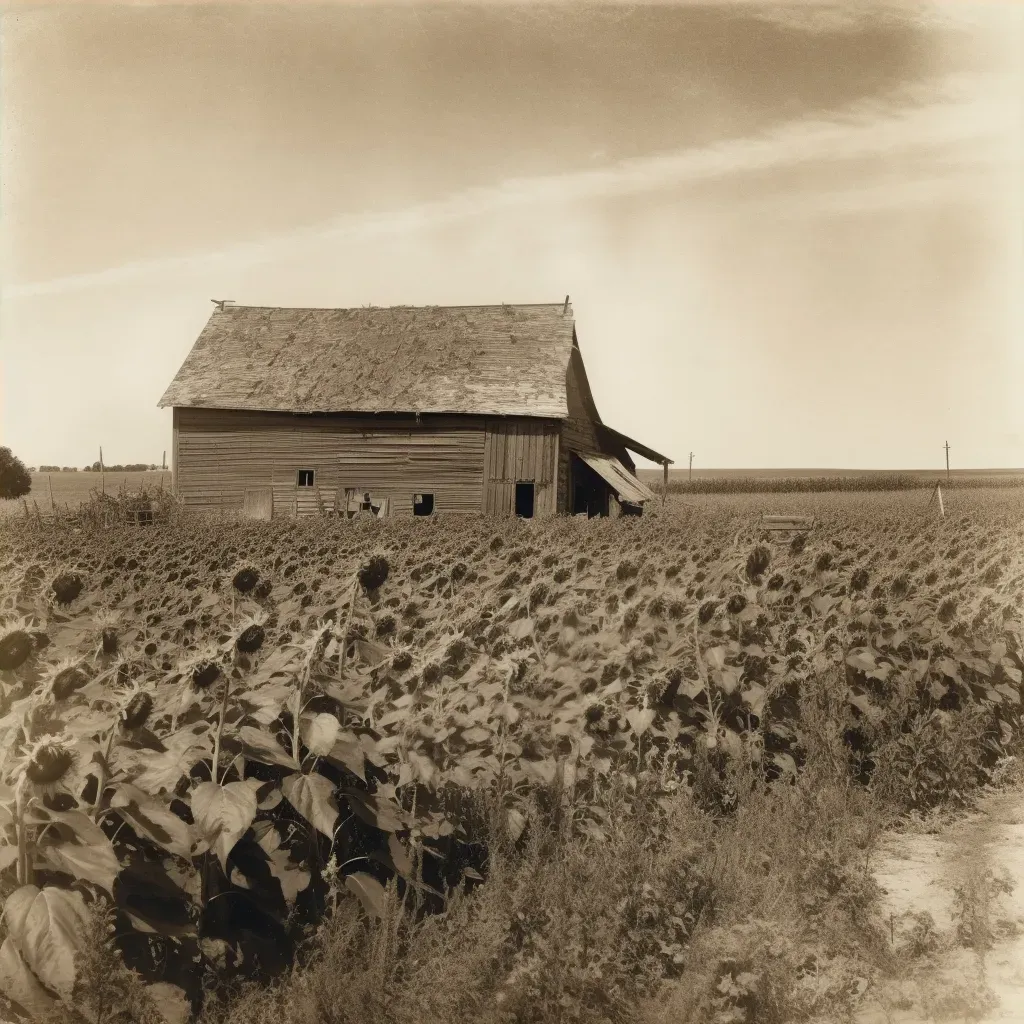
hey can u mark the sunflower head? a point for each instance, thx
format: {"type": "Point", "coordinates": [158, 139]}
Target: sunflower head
{"type": "Point", "coordinates": [64, 678]}
{"type": "Point", "coordinates": [374, 574]}
{"type": "Point", "coordinates": [246, 579]}
{"type": "Point", "coordinates": [48, 764]}
{"type": "Point", "coordinates": [16, 644]}
{"type": "Point", "coordinates": [66, 586]}
{"type": "Point", "coordinates": [107, 622]}
{"type": "Point", "coordinates": [134, 703]}
{"type": "Point", "coordinates": [250, 636]}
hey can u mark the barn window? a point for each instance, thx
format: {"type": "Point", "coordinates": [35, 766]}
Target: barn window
{"type": "Point", "coordinates": [422, 504]}
{"type": "Point", "coordinates": [524, 500]}
{"type": "Point", "coordinates": [306, 477]}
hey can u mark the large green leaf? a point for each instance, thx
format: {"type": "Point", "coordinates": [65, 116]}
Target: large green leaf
{"type": "Point", "coordinates": [369, 891]}
{"type": "Point", "coordinates": [313, 797]}
{"type": "Point", "coordinates": [640, 719]}
{"type": "Point", "coordinates": [376, 810]}
{"type": "Point", "coordinates": [319, 732]}
{"type": "Point", "coordinates": [348, 751]}
{"type": "Point", "coordinates": [258, 746]}
{"type": "Point", "coordinates": [163, 772]}
{"type": "Point", "coordinates": [292, 877]}
{"type": "Point", "coordinates": [82, 849]}
{"type": "Point", "coordinates": [48, 926]}
{"type": "Point", "coordinates": [20, 984]}
{"type": "Point", "coordinates": [223, 815]}
{"type": "Point", "coordinates": [153, 819]}
{"type": "Point", "coordinates": [8, 855]}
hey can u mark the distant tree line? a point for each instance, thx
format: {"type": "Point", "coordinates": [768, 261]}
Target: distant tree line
{"type": "Point", "coordinates": [129, 467]}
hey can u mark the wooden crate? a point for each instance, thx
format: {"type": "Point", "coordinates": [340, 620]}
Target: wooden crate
{"type": "Point", "coordinates": [778, 523]}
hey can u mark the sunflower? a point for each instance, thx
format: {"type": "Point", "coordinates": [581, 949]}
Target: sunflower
{"type": "Point", "coordinates": [106, 621]}
{"type": "Point", "coordinates": [249, 638]}
{"type": "Point", "coordinates": [49, 765]}
{"type": "Point", "coordinates": [64, 678]}
{"type": "Point", "coordinates": [134, 703]}
{"type": "Point", "coordinates": [200, 671]}
{"type": "Point", "coordinates": [66, 586]}
{"type": "Point", "coordinates": [16, 643]}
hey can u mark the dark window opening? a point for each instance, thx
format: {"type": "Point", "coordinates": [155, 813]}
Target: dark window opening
{"type": "Point", "coordinates": [590, 498]}
{"type": "Point", "coordinates": [306, 477]}
{"type": "Point", "coordinates": [524, 500]}
{"type": "Point", "coordinates": [422, 504]}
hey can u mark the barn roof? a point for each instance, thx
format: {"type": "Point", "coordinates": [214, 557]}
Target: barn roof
{"type": "Point", "coordinates": [479, 360]}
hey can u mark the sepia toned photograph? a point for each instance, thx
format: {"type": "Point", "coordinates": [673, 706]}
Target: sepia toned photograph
{"type": "Point", "coordinates": [512, 512]}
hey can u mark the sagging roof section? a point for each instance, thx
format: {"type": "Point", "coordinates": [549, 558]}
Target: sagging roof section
{"type": "Point", "coordinates": [627, 486]}
{"type": "Point", "coordinates": [634, 446]}
{"type": "Point", "coordinates": [477, 360]}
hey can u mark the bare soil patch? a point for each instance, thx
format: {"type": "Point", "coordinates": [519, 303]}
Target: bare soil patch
{"type": "Point", "coordinates": [954, 902]}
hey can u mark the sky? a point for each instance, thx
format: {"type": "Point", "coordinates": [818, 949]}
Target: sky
{"type": "Point", "coordinates": [792, 233]}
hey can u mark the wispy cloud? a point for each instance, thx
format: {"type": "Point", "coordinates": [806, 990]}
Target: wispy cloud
{"type": "Point", "coordinates": [856, 15]}
{"type": "Point", "coordinates": [961, 114]}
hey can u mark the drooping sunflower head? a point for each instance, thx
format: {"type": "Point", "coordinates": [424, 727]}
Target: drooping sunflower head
{"type": "Point", "coordinates": [106, 621]}
{"type": "Point", "coordinates": [66, 586]}
{"type": "Point", "coordinates": [16, 643]}
{"type": "Point", "coordinates": [202, 669]}
{"type": "Point", "coordinates": [249, 637]}
{"type": "Point", "coordinates": [374, 573]}
{"type": "Point", "coordinates": [134, 703]}
{"type": "Point", "coordinates": [64, 678]}
{"type": "Point", "coordinates": [48, 765]}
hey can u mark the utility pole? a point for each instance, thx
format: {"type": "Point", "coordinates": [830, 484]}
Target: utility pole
{"type": "Point", "coordinates": [689, 476]}
{"type": "Point", "coordinates": [947, 462]}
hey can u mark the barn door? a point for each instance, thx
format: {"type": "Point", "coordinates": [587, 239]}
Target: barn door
{"type": "Point", "coordinates": [258, 503]}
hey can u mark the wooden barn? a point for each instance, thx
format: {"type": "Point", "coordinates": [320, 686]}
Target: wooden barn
{"type": "Point", "coordinates": [399, 411]}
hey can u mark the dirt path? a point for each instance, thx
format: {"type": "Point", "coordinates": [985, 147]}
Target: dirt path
{"type": "Point", "coordinates": [967, 963]}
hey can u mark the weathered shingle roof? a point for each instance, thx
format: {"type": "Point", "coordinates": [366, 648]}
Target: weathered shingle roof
{"type": "Point", "coordinates": [479, 360]}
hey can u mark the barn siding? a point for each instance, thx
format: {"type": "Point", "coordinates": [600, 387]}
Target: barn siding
{"type": "Point", "coordinates": [219, 453]}
{"type": "Point", "coordinates": [520, 450]}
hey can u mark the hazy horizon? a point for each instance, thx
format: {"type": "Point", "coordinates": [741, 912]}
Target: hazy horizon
{"type": "Point", "coordinates": [792, 233]}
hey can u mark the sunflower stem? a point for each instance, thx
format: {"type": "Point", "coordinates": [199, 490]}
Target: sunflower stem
{"type": "Point", "coordinates": [215, 764]}
{"type": "Point", "coordinates": [344, 628]}
{"type": "Point", "coordinates": [296, 717]}
{"type": "Point", "coordinates": [20, 828]}
{"type": "Point", "coordinates": [101, 782]}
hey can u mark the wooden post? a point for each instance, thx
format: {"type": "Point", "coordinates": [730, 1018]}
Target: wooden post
{"type": "Point", "coordinates": [947, 461]}
{"type": "Point", "coordinates": [103, 484]}
{"type": "Point", "coordinates": [689, 476]}
{"type": "Point", "coordinates": [49, 486]}
{"type": "Point", "coordinates": [664, 489]}
{"type": "Point", "coordinates": [163, 467]}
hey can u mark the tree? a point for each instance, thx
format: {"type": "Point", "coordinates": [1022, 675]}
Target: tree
{"type": "Point", "coordinates": [15, 479]}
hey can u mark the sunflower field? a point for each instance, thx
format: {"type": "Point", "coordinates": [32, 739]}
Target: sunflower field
{"type": "Point", "coordinates": [219, 731]}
